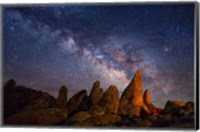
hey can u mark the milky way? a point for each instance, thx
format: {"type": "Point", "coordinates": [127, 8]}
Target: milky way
{"type": "Point", "coordinates": [47, 46]}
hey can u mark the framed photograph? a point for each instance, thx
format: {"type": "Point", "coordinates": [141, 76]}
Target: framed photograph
{"type": "Point", "coordinates": [109, 65]}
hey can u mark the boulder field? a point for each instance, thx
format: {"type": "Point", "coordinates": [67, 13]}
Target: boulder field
{"type": "Point", "coordinates": [25, 106]}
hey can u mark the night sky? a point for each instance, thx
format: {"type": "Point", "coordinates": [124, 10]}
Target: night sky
{"type": "Point", "coordinates": [47, 46]}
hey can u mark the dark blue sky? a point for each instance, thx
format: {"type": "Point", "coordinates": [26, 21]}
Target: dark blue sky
{"type": "Point", "coordinates": [52, 45]}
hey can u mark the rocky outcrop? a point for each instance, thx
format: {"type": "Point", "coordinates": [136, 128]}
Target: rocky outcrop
{"type": "Point", "coordinates": [94, 97]}
{"type": "Point", "coordinates": [25, 106]}
{"type": "Point", "coordinates": [109, 103]}
{"type": "Point", "coordinates": [141, 123]}
{"type": "Point", "coordinates": [78, 117]}
{"type": "Point", "coordinates": [75, 102]}
{"type": "Point", "coordinates": [174, 106]}
{"type": "Point", "coordinates": [43, 102]}
{"type": "Point", "coordinates": [17, 97]}
{"type": "Point", "coordinates": [103, 113]}
{"type": "Point", "coordinates": [96, 93]}
{"type": "Point", "coordinates": [62, 97]}
{"type": "Point", "coordinates": [189, 108]}
{"type": "Point", "coordinates": [148, 103]}
{"type": "Point", "coordinates": [10, 84]}
{"type": "Point", "coordinates": [147, 97]}
{"type": "Point", "coordinates": [104, 120]}
{"type": "Point", "coordinates": [110, 99]}
{"type": "Point", "coordinates": [131, 102]}
{"type": "Point", "coordinates": [43, 110]}
{"type": "Point", "coordinates": [49, 116]}
{"type": "Point", "coordinates": [85, 104]}
{"type": "Point", "coordinates": [179, 108]}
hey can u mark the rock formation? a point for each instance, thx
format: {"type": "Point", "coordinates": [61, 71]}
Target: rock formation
{"type": "Point", "coordinates": [131, 102]}
{"type": "Point", "coordinates": [103, 113]}
{"type": "Point", "coordinates": [94, 97]}
{"type": "Point", "coordinates": [43, 102]}
{"type": "Point", "coordinates": [26, 106]}
{"type": "Point", "coordinates": [147, 97]}
{"type": "Point", "coordinates": [62, 97]}
{"type": "Point", "coordinates": [10, 84]}
{"type": "Point", "coordinates": [48, 116]}
{"type": "Point", "coordinates": [176, 107]}
{"type": "Point", "coordinates": [104, 120]}
{"type": "Point", "coordinates": [109, 103]}
{"type": "Point", "coordinates": [85, 104]}
{"type": "Point", "coordinates": [110, 99]}
{"type": "Point", "coordinates": [79, 117]}
{"type": "Point", "coordinates": [75, 101]}
{"type": "Point", "coordinates": [41, 110]}
{"type": "Point", "coordinates": [17, 97]}
{"type": "Point", "coordinates": [148, 103]}
{"type": "Point", "coordinates": [96, 93]}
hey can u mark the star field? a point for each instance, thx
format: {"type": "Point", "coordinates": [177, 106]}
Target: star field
{"type": "Point", "coordinates": [47, 46]}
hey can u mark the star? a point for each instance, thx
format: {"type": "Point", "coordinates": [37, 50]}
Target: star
{"type": "Point", "coordinates": [166, 49]}
{"type": "Point", "coordinates": [58, 45]}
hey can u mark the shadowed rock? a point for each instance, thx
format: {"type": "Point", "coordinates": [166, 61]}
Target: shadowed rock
{"type": "Point", "coordinates": [189, 107]}
{"type": "Point", "coordinates": [174, 107]}
{"type": "Point", "coordinates": [10, 83]}
{"type": "Point", "coordinates": [141, 122]}
{"type": "Point", "coordinates": [96, 93]}
{"type": "Point", "coordinates": [17, 97]}
{"type": "Point", "coordinates": [147, 101]}
{"type": "Point", "coordinates": [147, 97]}
{"type": "Point", "coordinates": [131, 102]}
{"type": "Point", "coordinates": [79, 117]}
{"type": "Point", "coordinates": [75, 101]}
{"type": "Point", "coordinates": [38, 117]}
{"type": "Point", "coordinates": [43, 102]}
{"type": "Point", "coordinates": [62, 97]}
{"type": "Point", "coordinates": [84, 106]}
{"type": "Point", "coordinates": [104, 120]}
{"type": "Point", "coordinates": [109, 103]}
{"type": "Point", "coordinates": [110, 99]}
